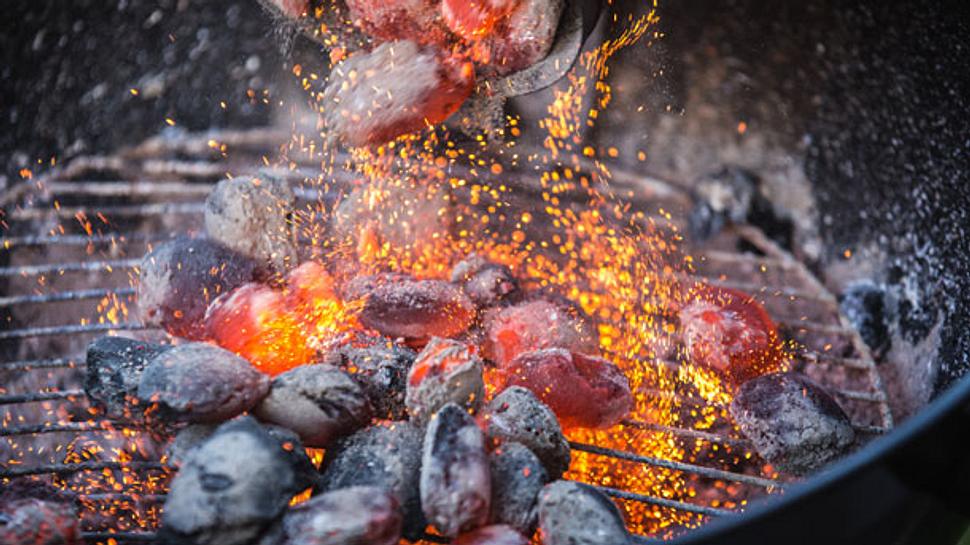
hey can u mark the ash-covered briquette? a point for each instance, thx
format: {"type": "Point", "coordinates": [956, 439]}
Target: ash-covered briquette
{"type": "Point", "coordinates": [199, 382]}
{"type": "Point", "coordinates": [498, 534]}
{"type": "Point", "coordinates": [319, 402]}
{"type": "Point", "coordinates": [584, 391]}
{"type": "Point", "coordinates": [384, 20]}
{"type": "Point", "coordinates": [33, 513]}
{"type": "Point", "coordinates": [381, 368]}
{"type": "Point", "coordinates": [517, 415]}
{"type": "Point", "coordinates": [535, 325]}
{"type": "Point", "coordinates": [417, 309]}
{"type": "Point", "coordinates": [517, 477]}
{"type": "Point", "coordinates": [487, 284]}
{"type": "Point", "coordinates": [233, 486]}
{"type": "Point", "coordinates": [455, 480]}
{"type": "Point", "coordinates": [185, 441]}
{"type": "Point", "coordinates": [396, 88]}
{"type": "Point", "coordinates": [446, 371]}
{"type": "Point", "coordinates": [572, 513]}
{"type": "Point", "coordinates": [179, 278]}
{"type": "Point", "coordinates": [386, 455]}
{"type": "Point", "coordinates": [359, 515]}
{"type": "Point", "coordinates": [792, 422]}
{"type": "Point", "coordinates": [254, 217]}
{"type": "Point", "coordinates": [113, 370]}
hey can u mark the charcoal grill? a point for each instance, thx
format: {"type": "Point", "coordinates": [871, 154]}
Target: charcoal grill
{"type": "Point", "coordinates": [75, 235]}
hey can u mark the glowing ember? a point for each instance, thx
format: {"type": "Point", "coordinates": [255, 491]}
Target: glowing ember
{"type": "Point", "coordinates": [471, 19]}
{"type": "Point", "coordinates": [535, 325]}
{"type": "Point", "coordinates": [583, 391]}
{"type": "Point", "coordinates": [729, 332]}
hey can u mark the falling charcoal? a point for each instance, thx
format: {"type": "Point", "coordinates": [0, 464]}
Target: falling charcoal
{"type": "Point", "coordinates": [793, 422]}
{"type": "Point", "coordinates": [359, 515]}
{"type": "Point", "coordinates": [455, 480]}
{"type": "Point", "coordinates": [32, 513]}
{"type": "Point", "coordinates": [727, 331]}
{"type": "Point", "coordinates": [486, 284]}
{"type": "Point", "coordinates": [114, 368]}
{"type": "Point", "coordinates": [517, 415]}
{"type": "Point", "coordinates": [572, 513]}
{"type": "Point", "coordinates": [179, 279]}
{"type": "Point", "coordinates": [396, 88]}
{"type": "Point", "coordinates": [186, 440]}
{"type": "Point", "coordinates": [445, 371]}
{"type": "Point", "coordinates": [521, 39]}
{"type": "Point", "coordinates": [517, 478]}
{"type": "Point", "coordinates": [417, 309]}
{"type": "Point", "coordinates": [534, 325]}
{"type": "Point", "coordinates": [198, 382]}
{"type": "Point", "coordinates": [387, 456]}
{"type": "Point", "coordinates": [584, 391]}
{"type": "Point", "coordinates": [319, 402]}
{"type": "Point", "coordinates": [381, 368]}
{"type": "Point", "coordinates": [492, 535]}
{"type": "Point", "coordinates": [389, 20]}
{"type": "Point", "coordinates": [232, 487]}
{"type": "Point", "coordinates": [253, 216]}
{"type": "Point", "coordinates": [472, 20]}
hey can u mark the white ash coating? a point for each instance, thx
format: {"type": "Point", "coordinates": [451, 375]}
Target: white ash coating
{"type": "Point", "coordinates": [443, 382]}
{"type": "Point", "coordinates": [572, 513]}
{"type": "Point", "coordinates": [517, 415]}
{"type": "Point", "coordinates": [199, 382]}
{"type": "Point", "coordinates": [517, 477]}
{"type": "Point", "coordinates": [792, 422]}
{"type": "Point", "coordinates": [417, 309]}
{"type": "Point", "coordinates": [254, 217]}
{"type": "Point", "coordinates": [455, 479]}
{"type": "Point", "coordinates": [185, 441]}
{"type": "Point", "coordinates": [524, 38]}
{"type": "Point", "coordinates": [231, 487]}
{"type": "Point", "coordinates": [387, 456]}
{"type": "Point", "coordinates": [381, 368]}
{"type": "Point", "coordinates": [112, 372]}
{"type": "Point", "coordinates": [359, 515]}
{"type": "Point", "coordinates": [319, 403]}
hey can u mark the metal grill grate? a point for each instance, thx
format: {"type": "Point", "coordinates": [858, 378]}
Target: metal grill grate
{"type": "Point", "coordinates": [56, 274]}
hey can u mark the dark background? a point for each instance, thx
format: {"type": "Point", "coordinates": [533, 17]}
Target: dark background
{"type": "Point", "coordinates": [872, 96]}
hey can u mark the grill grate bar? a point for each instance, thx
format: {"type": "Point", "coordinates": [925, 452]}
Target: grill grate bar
{"type": "Point", "coordinates": [79, 240]}
{"type": "Point", "coordinates": [73, 329]}
{"type": "Point", "coordinates": [706, 472]}
{"type": "Point", "coordinates": [80, 266]}
{"type": "Point", "coordinates": [60, 296]}
{"type": "Point", "coordinates": [27, 365]}
{"type": "Point", "coordinates": [34, 397]}
{"type": "Point", "coordinates": [664, 502]}
{"type": "Point", "coordinates": [66, 469]}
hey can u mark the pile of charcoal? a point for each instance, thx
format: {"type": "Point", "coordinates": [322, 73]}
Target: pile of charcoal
{"type": "Point", "coordinates": [413, 439]}
{"type": "Point", "coordinates": [413, 443]}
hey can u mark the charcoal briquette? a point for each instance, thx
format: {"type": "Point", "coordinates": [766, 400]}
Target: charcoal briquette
{"type": "Point", "coordinates": [572, 513]}
{"type": "Point", "coordinates": [517, 415]}
{"type": "Point", "coordinates": [359, 515]}
{"type": "Point", "coordinates": [792, 422]}
{"type": "Point", "coordinates": [498, 534]}
{"type": "Point", "coordinates": [179, 278]}
{"type": "Point", "coordinates": [517, 478]}
{"type": "Point", "coordinates": [446, 371]}
{"type": "Point", "coordinates": [417, 309]}
{"type": "Point", "coordinates": [113, 370]}
{"type": "Point", "coordinates": [381, 368]}
{"type": "Point", "coordinates": [455, 478]}
{"type": "Point", "coordinates": [199, 382]}
{"type": "Point", "coordinates": [319, 402]}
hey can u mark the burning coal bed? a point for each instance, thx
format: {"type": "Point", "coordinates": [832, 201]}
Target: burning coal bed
{"type": "Point", "coordinates": [441, 404]}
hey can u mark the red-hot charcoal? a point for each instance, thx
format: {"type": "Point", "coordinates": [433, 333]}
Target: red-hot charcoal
{"type": "Point", "coordinates": [521, 39]}
{"type": "Point", "coordinates": [535, 325]}
{"type": "Point", "coordinates": [255, 322]}
{"type": "Point", "coordinates": [310, 289]}
{"type": "Point", "coordinates": [472, 19]}
{"type": "Point", "coordinates": [492, 535]}
{"type": "Point", "coordinates": [390, 20]}
{"type": "Point", "coordinates": [395, 89]}
{"type": "Point", "coordinates": [729, 332]}
{"type": "Point", "coordinates": [291, 8]}
{"type": "Point", "coordinates": [584, 391]}
{"type": "Point", "coordinates": [445, 371]}
{"type": "Point", "coordinates": [417, 309]}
